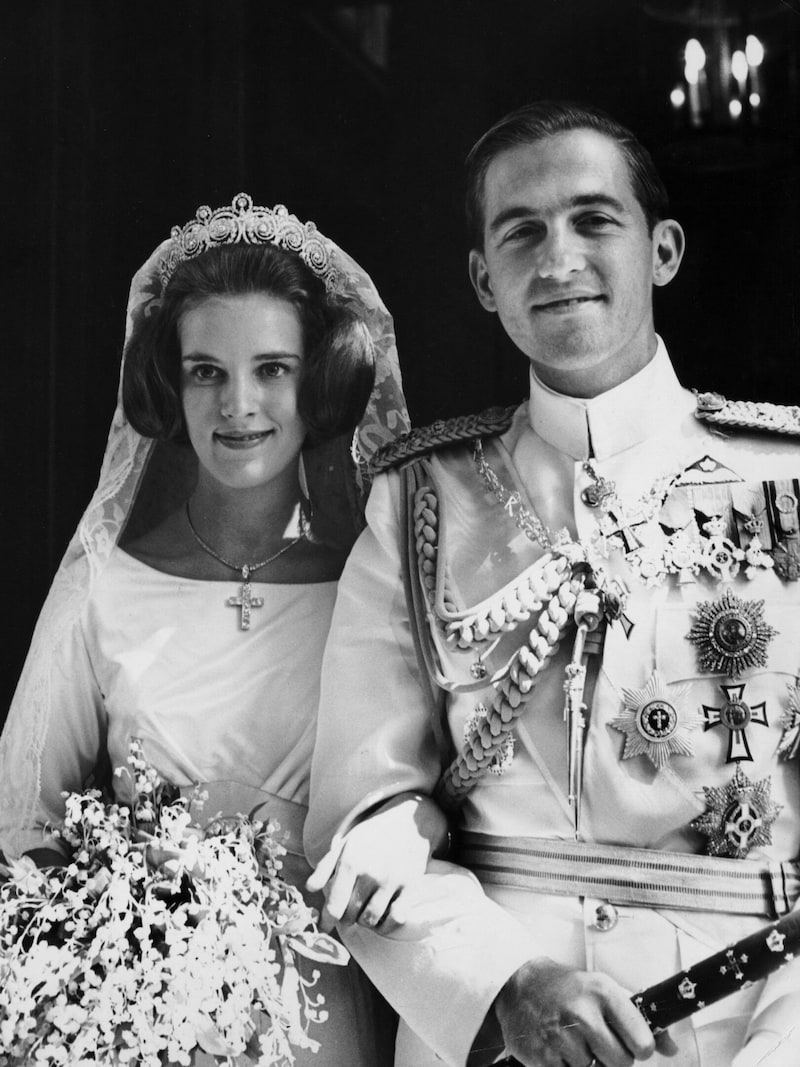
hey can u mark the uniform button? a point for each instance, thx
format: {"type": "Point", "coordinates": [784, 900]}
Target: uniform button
{"type": "Point", "coordinates": [606, 917]}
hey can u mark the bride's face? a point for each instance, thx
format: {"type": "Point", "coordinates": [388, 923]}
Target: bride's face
{"type": "Point", "coordinates": [241, 362]}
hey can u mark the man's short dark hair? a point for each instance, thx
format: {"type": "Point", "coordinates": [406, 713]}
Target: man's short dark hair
{"type": "Point", "coordinates": [545, 118]}
{"type": "Point", "coordinates": [339, 363]}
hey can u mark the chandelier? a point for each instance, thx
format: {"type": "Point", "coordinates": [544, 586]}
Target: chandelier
{"type": "Point", "coordinates": [722, 66]}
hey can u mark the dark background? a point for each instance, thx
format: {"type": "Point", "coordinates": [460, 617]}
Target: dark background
{"type": "Point", "coordinates": [118, 119]}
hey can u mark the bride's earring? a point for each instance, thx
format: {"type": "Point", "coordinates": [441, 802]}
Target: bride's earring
{"type": "Point", "coordinates": [306, 507]}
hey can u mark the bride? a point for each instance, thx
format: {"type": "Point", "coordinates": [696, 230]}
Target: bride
{"type": "Point", "coordinates": [193, 603]}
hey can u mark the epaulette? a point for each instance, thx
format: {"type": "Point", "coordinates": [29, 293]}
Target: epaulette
{"type": "Point", "coordinates": [747, 414]}
{"type": "Point", "coordinates": [440, 434]}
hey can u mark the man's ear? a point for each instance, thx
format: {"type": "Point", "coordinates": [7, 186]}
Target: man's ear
{"type": "Point", "coordinates": [481, 282]}
{"type": "Point", "coordinates": [668, 247]}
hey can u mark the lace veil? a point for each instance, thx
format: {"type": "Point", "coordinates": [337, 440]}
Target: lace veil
{"type": "Point", "coordinates": [142, 480]}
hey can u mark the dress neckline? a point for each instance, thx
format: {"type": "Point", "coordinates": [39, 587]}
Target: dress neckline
{"type": "Point", "coordinates": [120, 553]}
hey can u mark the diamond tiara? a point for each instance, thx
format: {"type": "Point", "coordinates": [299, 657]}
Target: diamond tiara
{"type": "Point", "coordinates": [245, 223]}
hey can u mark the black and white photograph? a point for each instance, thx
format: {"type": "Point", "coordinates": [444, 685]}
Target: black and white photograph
{"type": "Point", "coordinates": [401, 498]}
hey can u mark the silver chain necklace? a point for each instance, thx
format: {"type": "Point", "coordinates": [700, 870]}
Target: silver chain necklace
{"type": "Point", "coordinates": [622, 520]}
{"type": "Point", "coordinates": [533, 528]}
{"type": "Point", "coordinates": [245, 601]}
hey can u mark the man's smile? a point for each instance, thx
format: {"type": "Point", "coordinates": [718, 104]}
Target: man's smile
{"type": "Point", "coordinates": [566, 303]}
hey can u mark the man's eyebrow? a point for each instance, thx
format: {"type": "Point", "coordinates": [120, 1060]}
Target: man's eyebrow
{"type": "Point", "coordinates": [520, 211]}
{"type": "Point", "coordinates": [599, 199]}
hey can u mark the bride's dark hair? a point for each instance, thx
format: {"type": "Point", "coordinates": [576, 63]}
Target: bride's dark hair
{"type": "Point", "coordinates": [338, 365]}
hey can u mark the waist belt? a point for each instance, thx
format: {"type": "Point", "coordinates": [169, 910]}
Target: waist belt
{"type": "Point", "coordinates": [632, 875]}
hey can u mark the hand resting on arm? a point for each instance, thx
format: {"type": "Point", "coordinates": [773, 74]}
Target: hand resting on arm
{"type": "Point", "coordinates": [364, 873]}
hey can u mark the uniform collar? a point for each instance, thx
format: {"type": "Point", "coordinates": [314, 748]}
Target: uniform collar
{"type": "Point", "coordinates": [607, 424]}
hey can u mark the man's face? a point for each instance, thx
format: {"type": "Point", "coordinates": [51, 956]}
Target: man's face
{"type": "Point", "coordinates": [568, 263]}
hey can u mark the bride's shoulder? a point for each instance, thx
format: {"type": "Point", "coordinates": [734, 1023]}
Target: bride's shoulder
{"type": "Point", "coordinates": [314, 561]}
{"type": "Point", "coordinates": [165, 547]}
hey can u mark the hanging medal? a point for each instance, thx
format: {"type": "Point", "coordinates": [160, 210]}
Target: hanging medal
{"type": "Point", "coordinates": [683, 555]}
{"type": "Point", "coordinates": [720, 557]}
{"type": "Point", "coordinates": [707, 486]}
{"type": "Point", "coordinates": [738, 816]}
{"type": "Point", "coordinates": [602, 492]}
{"type": "Point", "coordinates": [654, 723]}
{"type": "Point", "coordinates": [755, 558]}
{"type": "Point", "coordinates": [735, 715]}
{"type": "Point", "coordinates": [782, 516]}
{"type": "Point", "coordinates": [787, 563]}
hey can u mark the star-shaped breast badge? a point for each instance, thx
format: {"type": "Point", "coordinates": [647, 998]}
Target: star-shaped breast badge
{"type": "Point", "coordinates": [738, 816]}
{"type": "Point", "coordinates": [653, 723]}
{"type": "Point", "coordinates": [730, 634]}
{"type": "Point", "coordinates": [790, 721]}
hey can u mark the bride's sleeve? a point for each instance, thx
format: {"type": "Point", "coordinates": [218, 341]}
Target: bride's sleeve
{"type": "Point", "coordinates": [55, 734]}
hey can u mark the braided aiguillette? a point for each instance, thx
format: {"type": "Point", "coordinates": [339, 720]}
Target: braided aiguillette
{"type": "Point", "coordinates": [552, 581]}
{"type": "Point", "coordinates": [511, 696]}
{"type": "Point", "coordinates": [510, 606]}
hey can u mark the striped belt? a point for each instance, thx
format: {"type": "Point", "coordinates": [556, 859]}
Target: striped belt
{"type": "Point", "coordinates": [632, 875]}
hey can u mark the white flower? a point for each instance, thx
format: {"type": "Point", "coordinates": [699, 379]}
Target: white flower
{"type": "Point", "coordinates": [155, 940]}
{"type": "Point", "coordinates": [25, 875]}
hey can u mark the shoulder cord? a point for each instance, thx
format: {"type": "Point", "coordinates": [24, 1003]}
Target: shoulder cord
{"type": "Point", "coordinates": [425, 542]}
{"type": "Point", "coordinates": [511, 605]}
{"type": "Point", "coordinates": [417, 617]}
{"type": "Point", "coordinates": [714, 408]}
{"type": "Point", "coordinates": [512, 693]}
{"type": "Point", "coordinates": [489, 734]}
{"type": "Point", "coordinates": [504, 610]}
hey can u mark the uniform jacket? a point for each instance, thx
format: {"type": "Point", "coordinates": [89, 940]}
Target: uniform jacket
{"type": "Point", "coordinates": [731, 497]}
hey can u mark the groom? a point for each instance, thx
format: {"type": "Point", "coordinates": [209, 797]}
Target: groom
{"type": "Point", "coordinates": [573, 623]}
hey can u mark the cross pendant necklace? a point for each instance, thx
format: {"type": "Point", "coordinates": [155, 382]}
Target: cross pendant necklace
{"type": "Point", "coordinates": [245, 601]}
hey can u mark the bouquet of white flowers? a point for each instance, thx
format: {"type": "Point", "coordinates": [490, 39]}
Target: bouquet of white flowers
{"type": "Point", "coordinates": [158, 938]}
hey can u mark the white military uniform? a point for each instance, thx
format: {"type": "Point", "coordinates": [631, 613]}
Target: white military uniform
{"type": "Point", "coordinates": [734, 499]}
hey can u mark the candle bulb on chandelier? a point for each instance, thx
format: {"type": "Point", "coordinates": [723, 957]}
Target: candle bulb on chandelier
{"type": "Point", "coordinates": [678, 99]}
{"type": "Point", "coordinates": [694, 96]}
{"type": "Point", "coordinates": [754, 54]}
{"type": "Point", "coordinates": [694, 63]}
{"type": "Point", "coordinates": [739, 69]}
